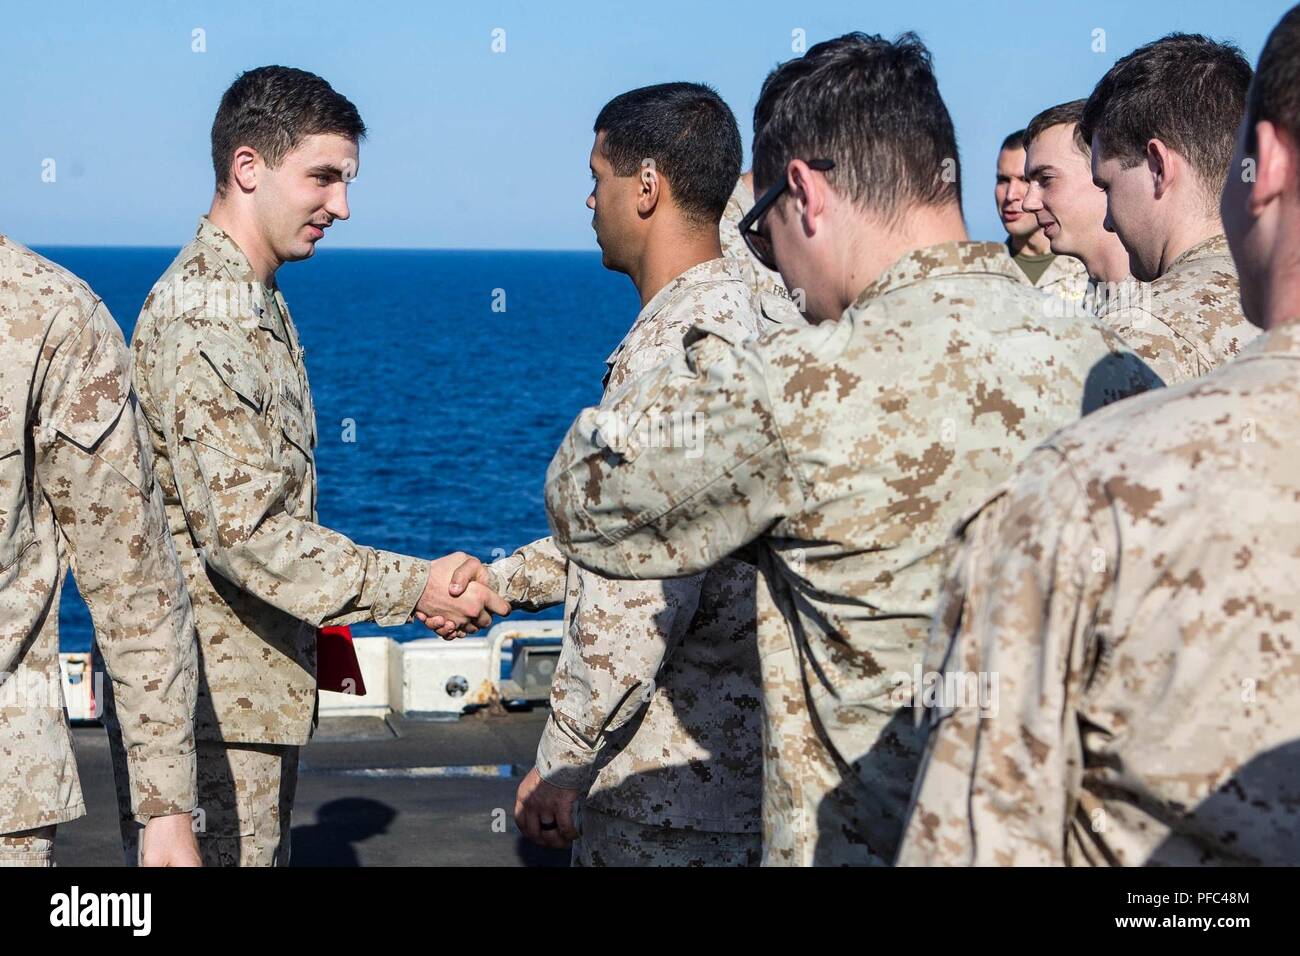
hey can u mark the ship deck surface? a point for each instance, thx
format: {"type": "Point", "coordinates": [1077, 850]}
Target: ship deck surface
{"type": "Point", "coordinates": [371, 792]}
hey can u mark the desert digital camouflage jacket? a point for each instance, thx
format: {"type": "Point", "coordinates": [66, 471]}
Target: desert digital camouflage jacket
{"type": "Point", "coordinates": [1066, 278]}
{"type": "Point", "coordinates": [771, 298]}
{"type": "Point", "coordinates": [222, 383]}
{"type": "Point", "coordinates": [76, 485]}
{"type": "Point", "coordinates": [1131, 601]}
{"type": "Point", "coordinates": [1189, 320]}
{"type": "Point", "coordinates": [844, 452]}
{"type": "Point", "coordinates": [656, 695]}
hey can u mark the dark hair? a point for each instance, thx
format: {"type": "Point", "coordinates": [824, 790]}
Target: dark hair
{"type": "Point", "coordinates": [1060, 115]}
{"type": "Point", "coordinates": [1186, 90]}
{"type": "Point", "coordinates": [1275, 92]}
{"type": "Point", "coordinates": [272, 109]}
{"type": "Point", "coordinates": [1014, 140]}
{"type": "Point", "coordinates": [689, 133]}
{"type": "Point", "coordinates": [871, 106]}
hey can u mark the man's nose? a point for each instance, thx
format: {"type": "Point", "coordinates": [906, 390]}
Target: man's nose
{"type": "Point", "coordinates": [1108, 224]}
{"type": "Point", "coordinates": [1033, 199]}
{"type": "Point", "coordinates": [591, 200]}
{"type": "Point", "coordinates": [337, 206]}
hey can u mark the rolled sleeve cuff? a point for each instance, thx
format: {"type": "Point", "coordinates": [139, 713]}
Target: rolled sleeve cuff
{"type": "Point", "coordinates": [563, 760]}
{"type": "Point", "coordinates": [503, 575]}
{"type": "Point", "coordinates": [497, 580]}
{"type": "Point", "coordinates": [162, 784]}
{"type": "Point", "coordinates": [399, 583]}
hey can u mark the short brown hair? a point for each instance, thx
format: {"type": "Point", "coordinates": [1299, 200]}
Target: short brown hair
{"type": "Point", "coordinates": [873, 107]}
{"type": "Point", "coordinates": [272, 109]}
{"type": "Point", "coordinates": [1060, 115]}
{"type": "Point", "coordinates": [1186, 90]}
{"type": "Point", "coordinates": [1275, 92]}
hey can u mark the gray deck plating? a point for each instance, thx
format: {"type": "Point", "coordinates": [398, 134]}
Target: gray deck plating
{"type": "Point", "coordinates": [371, 792]}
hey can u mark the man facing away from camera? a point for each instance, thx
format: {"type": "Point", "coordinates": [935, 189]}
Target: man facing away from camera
{"type": "Point", "coordinates": [220, 372]}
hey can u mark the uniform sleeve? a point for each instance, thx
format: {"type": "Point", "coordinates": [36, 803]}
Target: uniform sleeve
{"type": "Point", "coordinates": [608, 667]}
{"type": "Point", "coordinates": [213, 397]}
{"type": "Point", "coordinates": [94, 463]}
{"type": "Point", "coordinates": [618, 641]}
{"type": "Point", "coordinates": [674, 472]}
{"type": "Point", "coordinates": [999, 780]}
{"type": "Point", "coordinates": [533, 578]}
{"type": "Point", "coordinates": [1170, 355]}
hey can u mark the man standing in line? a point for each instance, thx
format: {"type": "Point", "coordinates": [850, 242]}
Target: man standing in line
{"type": "Point", "coordinates": [77, 486]}
{"type": "Point", "coordinates": [1070, 209]}
{"type": "Point", "coordinates": [1135, 591]}
{"type": "Point", "coordinates": [1162, 123]}
{"type": "Point", "coordinates": [223, 386]}
{"type": "Point", "coordinates": [841, 453]}
{"type": "Point", "coordinates": [1062, 276]}
{"type": "Point", "coordinates": [655, 722]}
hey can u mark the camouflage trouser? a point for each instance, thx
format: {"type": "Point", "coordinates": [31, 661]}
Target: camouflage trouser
{"type": "Point", "coordinates": [606, 840]}
{"type": "Point", "coordinates": [245, 800]}
{"type": "Point", "coordinates": [28, 847]}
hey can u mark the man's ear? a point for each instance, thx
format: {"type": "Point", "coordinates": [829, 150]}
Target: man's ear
{"type": "Point", "coordinates": [1276, 165]}
{"type": "Point", "coordinates": [1160, 164]}
{"type": "Point", "coordinates": [245, 166]}
{"type": "Point", "coordinates": [648, 190]}
{"type": "Point", "coordinates": [807, 193]}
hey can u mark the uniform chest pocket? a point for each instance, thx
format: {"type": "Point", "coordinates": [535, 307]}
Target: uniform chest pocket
{"type": "Point", "coordinates": [16, 529]}
{"type": "Point", "coordinates": [295, 426]}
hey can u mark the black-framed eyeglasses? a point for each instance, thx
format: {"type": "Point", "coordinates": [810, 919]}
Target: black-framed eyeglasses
{"type": "Point", "coordinates": [759, 244]}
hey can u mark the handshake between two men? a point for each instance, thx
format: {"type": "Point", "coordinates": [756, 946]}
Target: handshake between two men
{"type": "Point", "coordinates": [458, 598]}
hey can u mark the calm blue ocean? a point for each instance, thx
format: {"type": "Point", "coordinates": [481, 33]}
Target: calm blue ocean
{"type": "Point", "coordinates": [458, 408]}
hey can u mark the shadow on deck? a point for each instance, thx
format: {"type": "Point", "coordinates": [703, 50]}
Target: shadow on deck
{"type": "Point", "coordinates": [371, 792]}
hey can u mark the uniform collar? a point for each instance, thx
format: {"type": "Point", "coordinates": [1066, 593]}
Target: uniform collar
{"type": "Point", "coordinates": [235, 265]}
{"type": "Point", "coordinates": [944, 259]}
{"type": "Point", "coordinates": [1212, 248]}
{"type": "Point", "coordinates": [714, 270]}
{"type": "Point", "coordinates": [743, 195]}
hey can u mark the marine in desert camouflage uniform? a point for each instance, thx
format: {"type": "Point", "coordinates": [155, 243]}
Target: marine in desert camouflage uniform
{"type": "Point", "coordinates": [77, 487]}
{"type": "Point", "coordinates": [1064, 277]}
{"type": "Point", "coordinates": [1140, 717]}
{"type": "Point", "coordinates": [221, 375]}
{"type": "Point", "coordinates": [223, 386]}
{"type": "Point", "coordinates": [655, 700]}
{"type": "Point", "coordinates": [1161, 125]}
{"type": "Point", "coordinates": [1135, 592]}
{"type": "Point", "coordinates": [1188, 320]}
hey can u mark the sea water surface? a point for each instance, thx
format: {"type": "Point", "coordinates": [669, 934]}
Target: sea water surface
{"type": "Point", "coordinates": [457, 406]}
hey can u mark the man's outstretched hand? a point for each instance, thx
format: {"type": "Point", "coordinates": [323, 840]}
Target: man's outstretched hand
{"type": "Point", "coordinates": [458, 598]}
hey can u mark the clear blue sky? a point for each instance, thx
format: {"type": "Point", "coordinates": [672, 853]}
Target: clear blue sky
{"type": "Point", "coordinates": [475, 149]}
